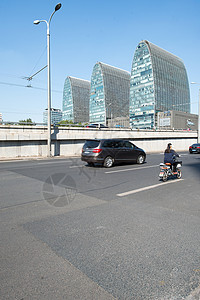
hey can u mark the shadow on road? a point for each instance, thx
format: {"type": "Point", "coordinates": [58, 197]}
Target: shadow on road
{"type": "Point", "coordinates": [195, 165]}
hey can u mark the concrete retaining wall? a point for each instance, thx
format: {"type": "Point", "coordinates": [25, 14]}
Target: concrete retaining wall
{"type": "Point", "coordinates": [31, 141]}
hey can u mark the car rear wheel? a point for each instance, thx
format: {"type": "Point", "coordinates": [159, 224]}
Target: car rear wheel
{"type": "Point", "coordinates": [140, 159]}
{"type": "Point", "coordinates": [108, 162]}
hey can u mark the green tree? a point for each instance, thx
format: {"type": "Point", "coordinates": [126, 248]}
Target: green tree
{"type": "Point", "coordinates": [26, 122]}
{"type": "Point", "coordinates": [66, 122]}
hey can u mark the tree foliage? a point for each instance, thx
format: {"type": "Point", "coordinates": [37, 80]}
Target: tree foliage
{"type": "Point", "coordinates": [70, 123]}
{"type": "Point", "coordinates": [26, 122]}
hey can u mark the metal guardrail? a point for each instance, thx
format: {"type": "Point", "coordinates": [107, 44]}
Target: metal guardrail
{"type": "Point", "coordinates": [8, 123]}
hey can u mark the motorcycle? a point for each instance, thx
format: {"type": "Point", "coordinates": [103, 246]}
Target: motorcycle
{"type": "Point", "coordinates": [166, 171]}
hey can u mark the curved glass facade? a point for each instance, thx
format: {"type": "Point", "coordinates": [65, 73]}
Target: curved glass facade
{"type": "Point", "coordinates": [76, 96]}
{"type": "Point", "coordinates": [97, 96]}
{"type": "Point", "coordinates": [158, 83]}
{"type": "Point", "coordinates": [109, 95]}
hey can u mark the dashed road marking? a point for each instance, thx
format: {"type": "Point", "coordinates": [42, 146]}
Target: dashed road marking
{"type": "Point", "coordinates": [131, 169]}
{"type": "Point", "coordinates": [53, 162]}
{"type": "Point", "coordinates": [147, 188]}
{"type": "Point", "coordinates": [80, 166]}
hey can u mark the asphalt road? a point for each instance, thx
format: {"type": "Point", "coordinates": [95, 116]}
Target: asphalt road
{"type": "Point", "coordinates": [69, 231]}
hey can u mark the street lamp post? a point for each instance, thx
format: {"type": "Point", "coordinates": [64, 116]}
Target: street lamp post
{"type": "Point", "coordinates": [36, 22]}
{"type": "Point", "coordinates": [198, 136]}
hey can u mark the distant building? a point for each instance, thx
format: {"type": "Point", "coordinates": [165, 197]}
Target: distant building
{"type": "Point", "coordinates": [109, 96]}
{"type": "Point", "coordinates": [1, 120]}
{"type": "Point", "coordinates": [76, 96]}
{"type": "Point", "coordinates": [159, 82]}
{"type": "Point", "coordinates": [177, 120]}
{"type": "Point", "coordinates": [56, 116]}
{"type": "Point", "coordinates": [119, 122]}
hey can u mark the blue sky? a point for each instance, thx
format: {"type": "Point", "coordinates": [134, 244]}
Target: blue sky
{"type": "Point", "coordinates": [82, 33]}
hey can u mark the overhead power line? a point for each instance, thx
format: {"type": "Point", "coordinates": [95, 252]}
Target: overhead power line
{"type": "Point", "coordinates": [45, 48]}
{"type": "Point", "coordinates": [28, 86]}
{"type": "Point", "coordinates": [19, 112]}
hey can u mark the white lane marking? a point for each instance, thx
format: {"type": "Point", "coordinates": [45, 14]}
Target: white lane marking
{"type": "Point", "coordinates": [132, 169]}
{"type": "Point", "coordinates": [58, 162]}
{"type": "Point", "coordinates": [80, 166]}
{"type": "Point", "coordinates": [147, 188]}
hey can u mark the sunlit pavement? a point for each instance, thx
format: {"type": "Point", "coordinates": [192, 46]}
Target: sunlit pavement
{"type": "Point", "coordinates": [69, 231]}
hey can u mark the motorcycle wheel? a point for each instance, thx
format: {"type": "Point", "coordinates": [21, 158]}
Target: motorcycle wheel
{"type": "Point", "coordinates": [179, 175]}
{"type": "Point", "coordinates": [164, 176]}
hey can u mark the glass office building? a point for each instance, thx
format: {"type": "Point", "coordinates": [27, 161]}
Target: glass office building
{"type": "Point", "coordinates": [109, 95]}
{"type": "Point", "coordinates": [76, 95]}
{"type": "Point", "coordinates": [158, 83]}
{"type": "Point", "coordinates": [56, 116]}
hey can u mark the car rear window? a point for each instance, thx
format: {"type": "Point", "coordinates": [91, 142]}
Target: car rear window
{"type": "Point", "coordinates": [91, 144]}
{"type": "Point", "coordinates": [108, 144]}
{"type": "Point", "coordinates": [112, 144]}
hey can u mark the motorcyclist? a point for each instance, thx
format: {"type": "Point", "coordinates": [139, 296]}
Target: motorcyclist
{"type": "Point", "coordinates": [170, 157]}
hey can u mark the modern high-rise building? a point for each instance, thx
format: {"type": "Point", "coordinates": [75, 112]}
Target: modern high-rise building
{"type": "Point", "coordinates": [56, 116]}
{"type": "Point", "coordinates": [172, 119]}
{"type": "Point", "coordinates": [76, 95]}
{"type": "Point", "coordinates": [159, 82]}
{"type": "Point", "coordinates": [109, 96]}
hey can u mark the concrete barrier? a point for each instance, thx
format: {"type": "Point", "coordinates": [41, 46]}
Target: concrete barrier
{"type": "Point", "coordinates": [31, 141]}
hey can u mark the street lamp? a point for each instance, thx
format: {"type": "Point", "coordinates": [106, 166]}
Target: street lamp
{"type": "Point", "coordinates": [36, 22]}
{"type": "Point", "coordinates": [198, 137]}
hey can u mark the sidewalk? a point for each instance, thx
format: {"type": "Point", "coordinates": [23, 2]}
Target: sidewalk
{"type": "Point", "coordinates": [27, 158]}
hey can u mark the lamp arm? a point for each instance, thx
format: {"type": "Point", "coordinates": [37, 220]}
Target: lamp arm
{"type": "Point", "coordinates": [51, 17]}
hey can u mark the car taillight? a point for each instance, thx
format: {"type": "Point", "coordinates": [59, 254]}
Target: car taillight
{"type": "Point", "coordinates": [97, 150]}
{"type": "Point", "coordinates": [190, 147]}
{"type": "Point", "coordinates": [198, 147]}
